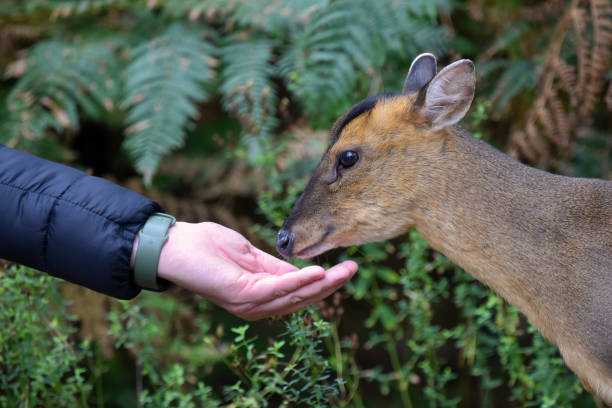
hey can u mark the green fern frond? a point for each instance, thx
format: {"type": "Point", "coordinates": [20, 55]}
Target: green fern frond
{"type": "Point", "coordinates": [165, 80]}
{"type": "Point", "coordinates": [328, 49]}
{"type": "Point", "coordinates": [423, 36]}
{"type": "Point", "coordinates": [340, 42]}
{"type": "Point", "coordinates": [247, 88]}
{"type": "Point", "coordinates": [348, 40]}
{"type": "Point", "coordinates": [61, 81]}
{"type": "Point", "coordinates": [409, 27]}
{"type": "Point", "coordinates": [24, 123]}
{"type": "Point", "coordinates": [71, 75]}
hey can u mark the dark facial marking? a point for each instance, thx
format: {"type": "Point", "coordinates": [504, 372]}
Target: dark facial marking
{"type": "Point", "coordinates": [363, 106]}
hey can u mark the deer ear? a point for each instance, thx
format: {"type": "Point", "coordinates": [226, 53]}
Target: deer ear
{"type": "Point", "coordinates": [422, 70]}
{"type": "Point", "coordinates": [449, 95]}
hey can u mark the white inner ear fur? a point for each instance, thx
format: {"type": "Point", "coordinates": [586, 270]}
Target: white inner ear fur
{"type": "Point", "coordinates": [450, 94]}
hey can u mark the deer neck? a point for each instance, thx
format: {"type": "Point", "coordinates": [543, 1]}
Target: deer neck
{"type": "Point", "coordinates": [488, 213]}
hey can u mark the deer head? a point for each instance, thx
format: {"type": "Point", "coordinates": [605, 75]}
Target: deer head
{"type": "Point", "coordinates": [374, 172]}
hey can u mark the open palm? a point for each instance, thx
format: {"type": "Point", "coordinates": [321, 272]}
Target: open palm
{"type": "Point", "coordinates": [224, 267]}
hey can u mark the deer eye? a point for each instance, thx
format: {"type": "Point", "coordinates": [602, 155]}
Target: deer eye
{"type": "Point", "coordinates": [348, 158]}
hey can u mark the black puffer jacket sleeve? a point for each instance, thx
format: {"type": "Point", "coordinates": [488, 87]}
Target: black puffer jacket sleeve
{"type": "Point", "coordinates": [77, 227]}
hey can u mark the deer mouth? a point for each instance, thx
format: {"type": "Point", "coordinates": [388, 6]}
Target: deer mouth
{"type": "Point", "coordinates": [316, 249]}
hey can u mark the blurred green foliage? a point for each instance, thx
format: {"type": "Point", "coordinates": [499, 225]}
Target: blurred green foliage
{"type": "Point", "coordinates": [153, 78]}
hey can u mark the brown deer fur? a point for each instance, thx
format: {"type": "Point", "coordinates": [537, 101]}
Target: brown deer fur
{"type": "Point", "coordinates": [542, 241]}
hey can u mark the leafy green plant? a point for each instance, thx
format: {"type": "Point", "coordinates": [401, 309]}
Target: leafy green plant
{"type": "Point", "coordinates": [166, 366]}
{"type": "Point", "coordinates": [301, 378]}
{"type": "Point", "coordinates": [41, 363]}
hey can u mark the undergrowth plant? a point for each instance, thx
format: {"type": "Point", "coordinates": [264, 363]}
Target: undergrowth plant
{"type": "Point", "coordinates": [41, 362]}
{"type": "Point", "coordinates": [293, 370]}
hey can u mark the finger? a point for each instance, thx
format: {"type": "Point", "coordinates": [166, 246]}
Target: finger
{"type": "Point", "coordinates": [335, 278]}
{"type": "Point", "coordinates": [272, 264]}
{"type": "Point", "coordinates": [276, 286]}
{"type": "Point", "coordinates": [299, 306]}
{"type": "Point", "coordinates": [294, 303]}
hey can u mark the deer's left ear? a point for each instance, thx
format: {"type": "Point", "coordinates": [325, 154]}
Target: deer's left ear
{"type": "Point", "coordinates": [421, 71]}
{"type": "Point", "coordinates": [449, 95]}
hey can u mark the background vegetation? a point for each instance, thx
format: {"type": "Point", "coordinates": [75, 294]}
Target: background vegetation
{"type": "Point", "coordinates": [219, 110]}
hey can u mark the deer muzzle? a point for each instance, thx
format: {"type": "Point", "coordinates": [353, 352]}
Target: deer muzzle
{"type": "Point", "coordinates": [284, 242]}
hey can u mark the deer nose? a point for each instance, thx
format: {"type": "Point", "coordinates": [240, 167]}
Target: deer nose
{"type": "Point", "coordinates": [284, 242]}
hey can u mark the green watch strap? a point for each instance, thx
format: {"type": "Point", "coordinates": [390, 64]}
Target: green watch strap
{"type": "Point", "coordinates": [151, 238]}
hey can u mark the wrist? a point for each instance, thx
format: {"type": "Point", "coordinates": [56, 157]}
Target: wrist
{"type": "Point", "coordinates": [183, 253]}
{"type": "Point", "coordinates": [168, 256]}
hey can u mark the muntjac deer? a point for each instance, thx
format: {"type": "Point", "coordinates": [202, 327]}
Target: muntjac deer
{"type": "Point", "coordinates": [542, 241]}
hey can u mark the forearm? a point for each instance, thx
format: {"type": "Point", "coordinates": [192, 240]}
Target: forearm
{"type": "Point", "coordinates": [71, 225]}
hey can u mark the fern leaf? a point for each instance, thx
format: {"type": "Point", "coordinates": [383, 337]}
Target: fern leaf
{"type": "Point", "coordinates": [581, 45]}
{"type": "Point", "coordinates": [330, 53]}
{"type": "Point", "coordinates": [346, 40]}
{"type": "Point", "coordinates": [165, 80]}
{"type": "Point", "coordinates": [410, 27]}
{"type": "Point", "coordinates": [72, 74]}
{"type": "Point", "coordinates": [247, 87]}
{"type": "Point", "coordinates": [60, 80]}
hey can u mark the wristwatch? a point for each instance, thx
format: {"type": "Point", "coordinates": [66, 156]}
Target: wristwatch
{"type": "Point", "coordinates": [151, 238]}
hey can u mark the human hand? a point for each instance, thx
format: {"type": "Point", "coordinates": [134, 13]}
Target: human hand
{"type": "Point", "coordinates": [222, 266]}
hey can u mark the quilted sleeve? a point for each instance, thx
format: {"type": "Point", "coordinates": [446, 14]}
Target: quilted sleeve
{"type": "Point", "coordinates": [77, 227]}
